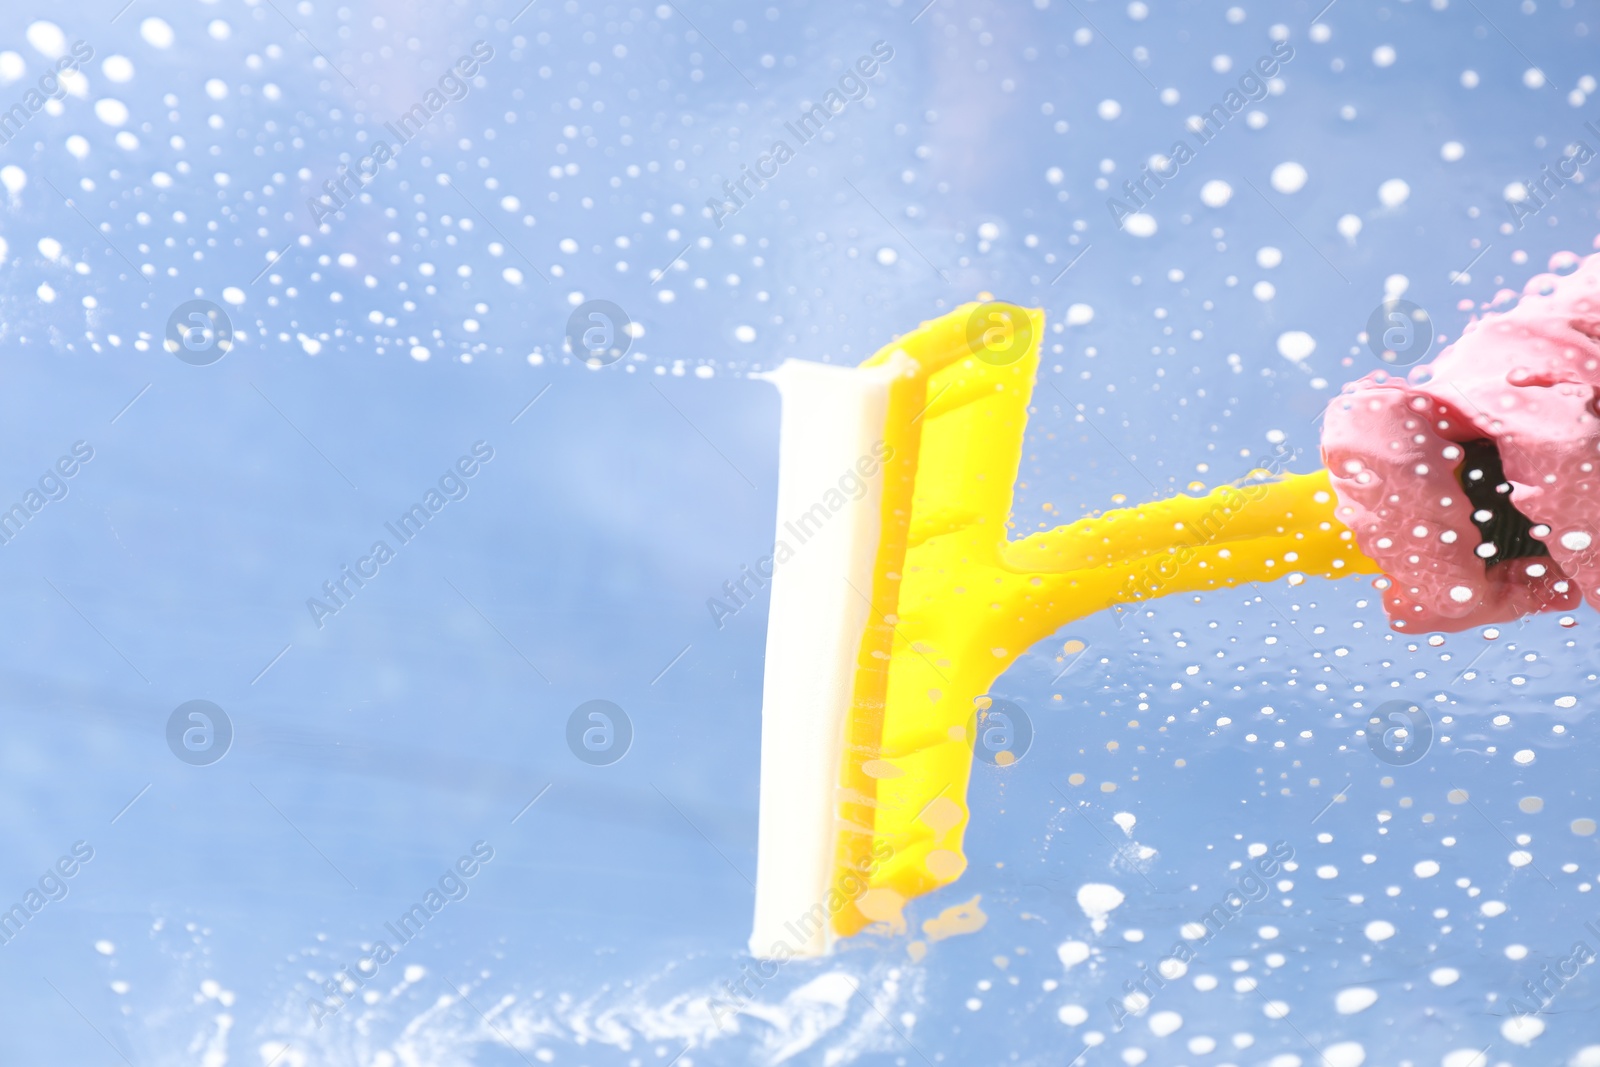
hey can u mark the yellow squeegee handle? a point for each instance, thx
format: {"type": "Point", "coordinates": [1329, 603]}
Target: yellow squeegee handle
{"type": "Point", "coordinates": [954, 601]}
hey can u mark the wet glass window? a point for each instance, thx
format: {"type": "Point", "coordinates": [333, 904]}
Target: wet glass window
{"type": "Point", "coordinates": [914, 532]}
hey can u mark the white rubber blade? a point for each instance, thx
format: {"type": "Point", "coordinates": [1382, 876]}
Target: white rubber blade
{"type": "Point", "coordinates": [832, 419]}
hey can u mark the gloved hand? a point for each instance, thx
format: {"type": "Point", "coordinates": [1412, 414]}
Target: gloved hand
{"type": "Point", "coordinates": [1473, 483]}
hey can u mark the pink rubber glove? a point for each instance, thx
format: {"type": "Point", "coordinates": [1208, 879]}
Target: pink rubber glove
{"type": "Point", "coordinates": [1513, 400]}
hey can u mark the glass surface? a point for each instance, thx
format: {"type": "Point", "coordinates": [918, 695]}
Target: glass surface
{"type": "Point", "coordinates": [258, 345]}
